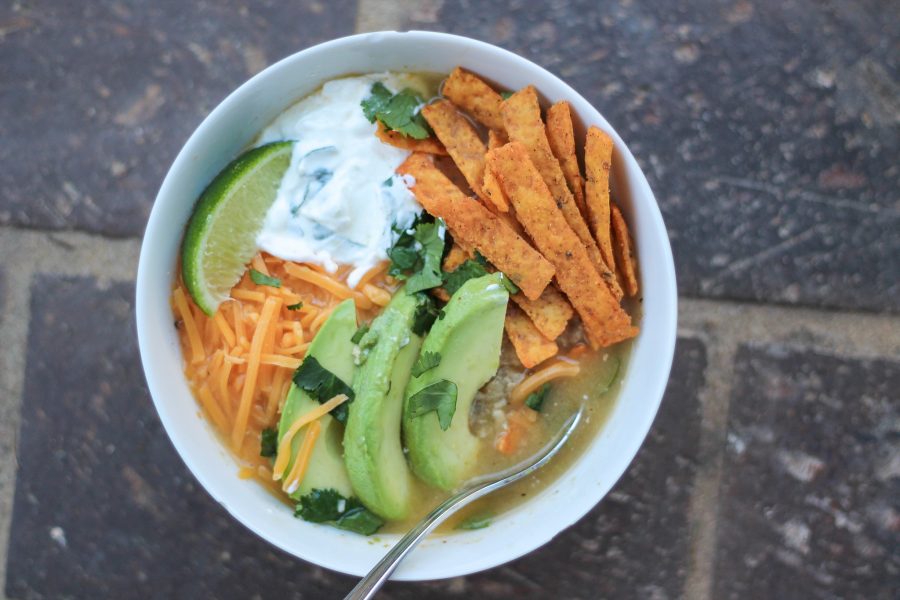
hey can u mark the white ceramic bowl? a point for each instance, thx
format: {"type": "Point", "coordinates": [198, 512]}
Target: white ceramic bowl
{"type": "Point", "coordinates": [228, 129]}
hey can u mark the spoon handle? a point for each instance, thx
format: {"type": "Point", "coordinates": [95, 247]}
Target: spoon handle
{"type": "Point", "coordinates": [371, 583]}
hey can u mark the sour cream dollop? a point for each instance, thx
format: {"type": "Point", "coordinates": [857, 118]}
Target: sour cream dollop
{"type": "Point", "coordinates": [340, 200]}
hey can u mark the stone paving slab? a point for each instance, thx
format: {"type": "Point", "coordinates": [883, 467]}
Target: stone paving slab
{"type": "Point", "coordinates": [98, 97]}
{"type": "Point", "coordinates": [769, 130]}
{"type": "Point", "coordinates": [811, 481]}
{"type": "Point", "coordinates": [104, 508]}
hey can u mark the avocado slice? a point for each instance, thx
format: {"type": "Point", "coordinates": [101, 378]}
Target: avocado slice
{"type": "Point", "coordinates": [334, 351]}
{"type": "Point", "coordinates": [372, 449]}
{"type": "Point", "coordinates": [468, 340]}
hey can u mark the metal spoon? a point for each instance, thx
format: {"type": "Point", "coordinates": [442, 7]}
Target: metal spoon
{"type": "Point", "coordinates": [471, 491]}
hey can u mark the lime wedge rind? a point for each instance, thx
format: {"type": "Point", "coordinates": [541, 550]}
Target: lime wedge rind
{"type": "Point", "coordinates": [221, 235]}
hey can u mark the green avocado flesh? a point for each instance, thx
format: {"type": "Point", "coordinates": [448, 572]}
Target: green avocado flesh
{"type": "Point", "coordinates": [334, 351]}
{"type": "Point", "coordinates": [373, 453]}
{"type": "Point", "coordinates": [468, 339]}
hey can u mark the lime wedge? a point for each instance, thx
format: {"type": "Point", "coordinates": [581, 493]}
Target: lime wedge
{"type": "Point", "coordinates": [221, 236]}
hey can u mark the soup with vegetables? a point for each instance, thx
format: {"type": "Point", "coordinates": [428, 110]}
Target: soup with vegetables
{"type": "Point", "coordinates": [406, 282]}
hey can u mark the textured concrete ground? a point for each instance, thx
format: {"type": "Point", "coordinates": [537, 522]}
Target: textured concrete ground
{"type": "Point", "coordinates": [770, 133]}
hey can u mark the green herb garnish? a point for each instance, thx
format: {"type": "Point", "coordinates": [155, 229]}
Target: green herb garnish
{"type": "Point", "coordinates": [262, 279]}
{"type": "Point", "coordinates": [323, 385]}
{"type": "Point", "coordinates": [297, 306]}
{"type": "Point", "coordinates": [416, 255]}
{"type": "Point", "coordinates": [329, 506]}
{"type": "Point", "coordinates": [439, 397]}
{"type": "Point", "coordinates": [470, 269]}
{"type": "Point", "coordinates": [358, 335]}
{"type": "Point", "coordinates": [535, 400]}
{"type": "Point", "coordinates": [426, 313]}
{"type": "Point", "coordinates": [268, 442]}
{"type": "Point", "coordinates": [398, 112]}
{"type": "Point", "coordinates": [506, 95]}
{"type": "Point", "coordinates": [426, 362]}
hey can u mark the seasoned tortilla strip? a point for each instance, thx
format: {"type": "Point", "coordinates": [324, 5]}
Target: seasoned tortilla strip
{"type": "Point", "coordinates": [460, 139]}
{"type": "Point", "coordinates": [474, 96]}
{"type": "Point", "coordinates": [561, 135]}
{"type": "Point", "coordinates": [597, 161]}
{"type": "Point", "coordinates": [522, 117]}
{"type": "Point", "coordinates": [531, 347]}
{"type": "Point", "coordinates": [492, 191]}
{"type": "Point", "coordinates": [475, 227]}
{"type": "Point", "coordinates": [550, 313]}
{"type": "Point", "coordinates": [624, 251]}
{"type": "Point", "coordinates": [455, 257]}
{"type": "Point", "coordinates": [398, 140]}
{"type": "Point", "coordinates": [604, 320]}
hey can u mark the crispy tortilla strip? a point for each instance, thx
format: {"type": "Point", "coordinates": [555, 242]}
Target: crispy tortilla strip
{"type": "Point", "coordinates": [475, 227]}
{"type": "Point", "coordinates": [474, 96]}
{"type": "Point", "coordinates": [561, 135]}
{"type": "Point", "coordinates": [496, 139]}
{"type": "Point", "coordinates": [531, 347]}
{"type": "Point", "coordinates": [604, 320]}
{"type": "Point", "coordinates": [550, 313]}
{"type": "Point", "coordinates": [455, 257]}
{"type": "Point", "coordinates": [522, 117]}
{"type": "Point", "coordinates": [398, 140]}
{"type": "Point", "coordinates": [460, 139]}
{"type": "Point", "coordinates": [623, 248]}
{"type": "Point", "coordinates": [492, 190]}
{"type": "Point", "coordinates": [597, 161]}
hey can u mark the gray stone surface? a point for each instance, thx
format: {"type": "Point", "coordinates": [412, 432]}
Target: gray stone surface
{"type": "Point", "coordinates": [104, 508]}
{"type": "Point", "coordinates": [769, 130]}
{"type": "Point", "coordinates": [98, 97]}
{"type": "Point", "coordinates": [811, 487]}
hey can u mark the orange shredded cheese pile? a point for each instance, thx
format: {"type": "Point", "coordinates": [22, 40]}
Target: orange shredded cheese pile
{"type": "Point", "coordinates": [239, 361]}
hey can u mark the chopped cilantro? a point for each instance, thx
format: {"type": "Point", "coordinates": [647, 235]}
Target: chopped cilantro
{"type": "Point", "coordinates": [297, 306]}
{"type": "Point", "coordinates": [475, 522]}
{"type": "Point", "coordinates": [439, 397]}
{"type": "Point", "coordinates": [322, 385]}
{"type": "Point", "coordinates": [416, 255]}
{"type": "Point", "coordinates": [535, 400]}
{"type": "Point", "coordinates": [377, 100]}
{"type": "Point", "coordinates": [426, 313]}
{"type": "Point", "coordinates": [263, 279]}
{"type": "Point", "coordinates": [389, 182]}
{"type": "Point", "coordinates": [470, 269]}
{"type": "Point", "coordinates": [329, 506]}
{"type": "Point", "coordinates": [268, 442]}
{"type": "Point", "coordinates": [399, 112]}
{"type": "Point", "coordinates": [506, 95]}
{"type": "Point", "coordinates": [358, 335]}
{"type": "Point", "coordinates": [426, 362]}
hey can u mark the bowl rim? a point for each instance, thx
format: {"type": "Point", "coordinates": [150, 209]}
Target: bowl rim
{"type": "Point", "coordinates": [663, 353]}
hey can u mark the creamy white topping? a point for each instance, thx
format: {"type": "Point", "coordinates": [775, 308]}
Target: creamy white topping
{"type": "Point", "coordinates": [340, 198]}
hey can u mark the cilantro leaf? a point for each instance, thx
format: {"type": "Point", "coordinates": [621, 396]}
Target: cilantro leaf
{"type": "Point", "coordinates": [475, 522]}
{"type": "Point", "coordinates": [262, 279]}
{"type": "Point", "coordinates": [268, 442]}
{"type": "Point", "coordinates": [297, 306]}
{"type": "Point", "coordinates": [322, 385]}
{"type": "Point", "coordinates": [535, 400]}
{"type": "Point", "coordinates": [426, 362]}
{"type": "Point", "coordinates": [429, 237]}
{"type": "Point", "coordinates": [389, 182]}
{"type": "Point", "coordinates": [470, 269]}
{"type": "Point", "coordinates": [399, 112]}
{"type": "Point", "coordinates": [377, 100]}
{"type": "Point", "coordinates": [358, 335]}
{"type": "Point", "coordinates": [506, 95]}
{"type": "Point", "coordinates": [426, 313]}
{"type": "Point", "coordinates": [329, 506]}
{"type": "Point", "coordinates": [416, 255]}
{"type": "Point", "coordinates": [439, 397]}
